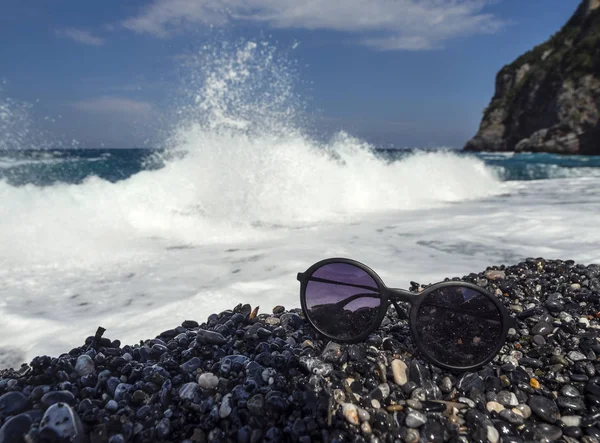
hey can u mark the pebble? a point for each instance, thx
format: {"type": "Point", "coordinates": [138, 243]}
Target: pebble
{"type": "Point", "coordinates": [363, 414]}
{"type": "Point", "coordinates": [576, 356]}
{"type": "Point", "coordinates": [446, 385]}
{"type": "Point", "coordinates": [495, 275]}
{"type": "Point", "coordinates": [400, 371]}
{"type": "Point", "coordinates": [546, 432]}
{"type": "Point", "coordinates": [84, 365]}
{"type": "Point", "coordinates": [492, 434]}
{"type": "Point", "coordinates": [188, 391]}
{"type": "Point", "coordinates": [571, 420]}
{"type": "Point", "coordinates": [13, 430]}
{"type": "Point", "coordinates": [365, 427]}
{"type": "Point", "coordinates": [52, 397]}
{"type": "Point", "coordinates": [121, 390]}
{"type": "Point", "coordinates": [316, 366]}
{"type": "Point", "coordinates": [208, 380]}
{"type": "Point", "coordinates": [511, 417]}
{"type": "Point", "coordinates": [523, 410]}
{"type": "Point", "coordinates": [210, 337]}
{"type": "Point", "coordinates": [415, 404]}
{"type": "Point", "coordinates": [544, 408]}
{"type": "Point", "coordinates": [332, 352]}
{"type": "Point", "coordinates": [350, 413]}
{"type": "Point", "coordinates": [191, 365]}
{"type": "Point", "coordinates": [111, 406]}
{"type": "Point", "coordinates": [256, 404]}
{"type": "Point", "coordinates": [62, 421]}
{"type": "Point", "coordinates": [494, 406]}
{"type": "Point", "coordinates": [225, 408]}
{"type": "Point", "coordinates": [415, 419]}
{"type": "Point", "coordinates": [467, 401]}
{"type": "Point", "coordinates": [575, 404]}
{"type": "Point", "coordinates": [570, 391]}
{"type": "Point", "coordinates": [507, 398]}
{"type": "Point", "coordinates": [12, 403]}
{"type": "Point", "coordinates": [542, 328]}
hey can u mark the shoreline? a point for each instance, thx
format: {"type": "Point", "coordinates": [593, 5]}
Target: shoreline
{"type": "Point", "coordinates": [246, 376]}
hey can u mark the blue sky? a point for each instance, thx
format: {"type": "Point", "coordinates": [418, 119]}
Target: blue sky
{"type": "Point", "coordinates": [402, 72]}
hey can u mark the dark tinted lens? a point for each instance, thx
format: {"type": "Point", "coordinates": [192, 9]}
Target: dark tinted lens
{"type": "Point", "coordinates": [342, 300]}
{"type": "Point", "coordinates": [459, 326]}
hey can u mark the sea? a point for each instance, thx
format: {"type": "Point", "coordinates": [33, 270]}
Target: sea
{"type": "Point", "coordinates": [238, 199]}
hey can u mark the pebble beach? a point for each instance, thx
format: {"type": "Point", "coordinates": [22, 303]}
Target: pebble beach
{"type": "Point", "coordinates": [247, 376]}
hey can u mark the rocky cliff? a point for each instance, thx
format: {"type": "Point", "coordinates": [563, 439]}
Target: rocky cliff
{"type": "Point", "coordinates": [548, 100]}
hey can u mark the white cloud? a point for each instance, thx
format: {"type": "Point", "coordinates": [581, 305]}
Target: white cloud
{"type": "Point", "coordinates": [380, 24]}
{"type": "Point", "coordinates": [113, 105]}
{"type": "Point", "coordinates": [80, 36]}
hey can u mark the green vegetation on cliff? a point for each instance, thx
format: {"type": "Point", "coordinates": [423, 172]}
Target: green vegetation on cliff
{"type": "Point", "coordinates": [569, 54]}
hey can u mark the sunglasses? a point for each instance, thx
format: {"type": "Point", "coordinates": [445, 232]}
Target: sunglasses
{"type": "Point", "coordinates": [456, 325]}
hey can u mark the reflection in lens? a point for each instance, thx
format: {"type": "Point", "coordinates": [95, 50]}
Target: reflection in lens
{"type": "Point", "coordinates": [459, 326]}
{"type": "Point", "coordinates": [342, 300]}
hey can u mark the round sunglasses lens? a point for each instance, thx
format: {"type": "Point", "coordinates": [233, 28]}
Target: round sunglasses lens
{"type": "Point", "coordinates": [459, 326]}
{"type": "Point", "coordinates": [342, 300]}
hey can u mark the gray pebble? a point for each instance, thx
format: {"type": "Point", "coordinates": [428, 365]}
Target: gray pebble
{"type": "Point", "coordinates": [415, 419]}
{"type": "Point", "coordinates": [84, 365]}
{"type": "Point", "coordinates": [64, 422]}
{"type": "Point", "coordinates": [188, 391]}
{"type": "Point", "coordinates": [542, 328]}
{"type": "Point", "coordinates": [208, 380]}
{"type": "Point", "coordinates": [576, 356]}
{"type": "Point", "coordinates": [544, 408]}
{"type": "Point", "coordinates": [511, 417]}
{"type": "Point", "coordinates": [570, 391]}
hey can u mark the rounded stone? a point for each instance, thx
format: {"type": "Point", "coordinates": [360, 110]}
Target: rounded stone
{"type": "Point", "coordinates": [15, 428]}
{"type": "Point", "coordinates": [494, 406]}
{"type": "Point", "coordinates": [571, 420]}
{"type": "Point", "coordinates": [546, 432]}
{"type": "Point", "coordinates": [523, 410]}
{"type": "Point", "coordinates": [53, 397]}
{"type": "Point", "coordinates": [570, 391]}
{"type": "Point", "coordinates": [415, 419]}
{"type": "Point", "coordinates": [208, 381]}
{"type": "Point", "coordinates": [12, 403]}
{"type": "Point", "coordinates": [84, 365]}
{"type": "Point", "coordinates": [62, 421]}
{"type": "Point", "coordinates": [542, 328]}
{"type": "Point", "coordinates": [544, 408]}
{"type": "Point", "coordinates": [400, 372]}
{"type": "Point", "coordinates": [350, 413]}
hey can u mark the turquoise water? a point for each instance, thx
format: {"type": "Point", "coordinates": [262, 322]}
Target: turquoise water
{"type": "Point", "coordinates": [73, 166]}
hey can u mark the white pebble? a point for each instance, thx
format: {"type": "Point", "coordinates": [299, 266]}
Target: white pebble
{"type": "Point", "coordinates": [399, 370]}
{"type": "Point", "coordinates": [350, 413]}
{"type": "Point", "coordinates": [208, 380]}
{"type": "Point", "coordinates": [571, 420]}
{"type": "Point", "coordinates": [494, 406]}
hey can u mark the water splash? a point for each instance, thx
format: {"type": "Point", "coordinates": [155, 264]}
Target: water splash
{"type": "Point", "coordinates": [15, 123]}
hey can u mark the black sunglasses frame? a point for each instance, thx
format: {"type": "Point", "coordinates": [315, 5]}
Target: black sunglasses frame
{"type": "Point", "coordinates": [390, 296]}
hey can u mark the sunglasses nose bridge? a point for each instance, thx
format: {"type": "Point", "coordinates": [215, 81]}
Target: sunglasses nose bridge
{"type": "Point", "coordinates": [396, 295]}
